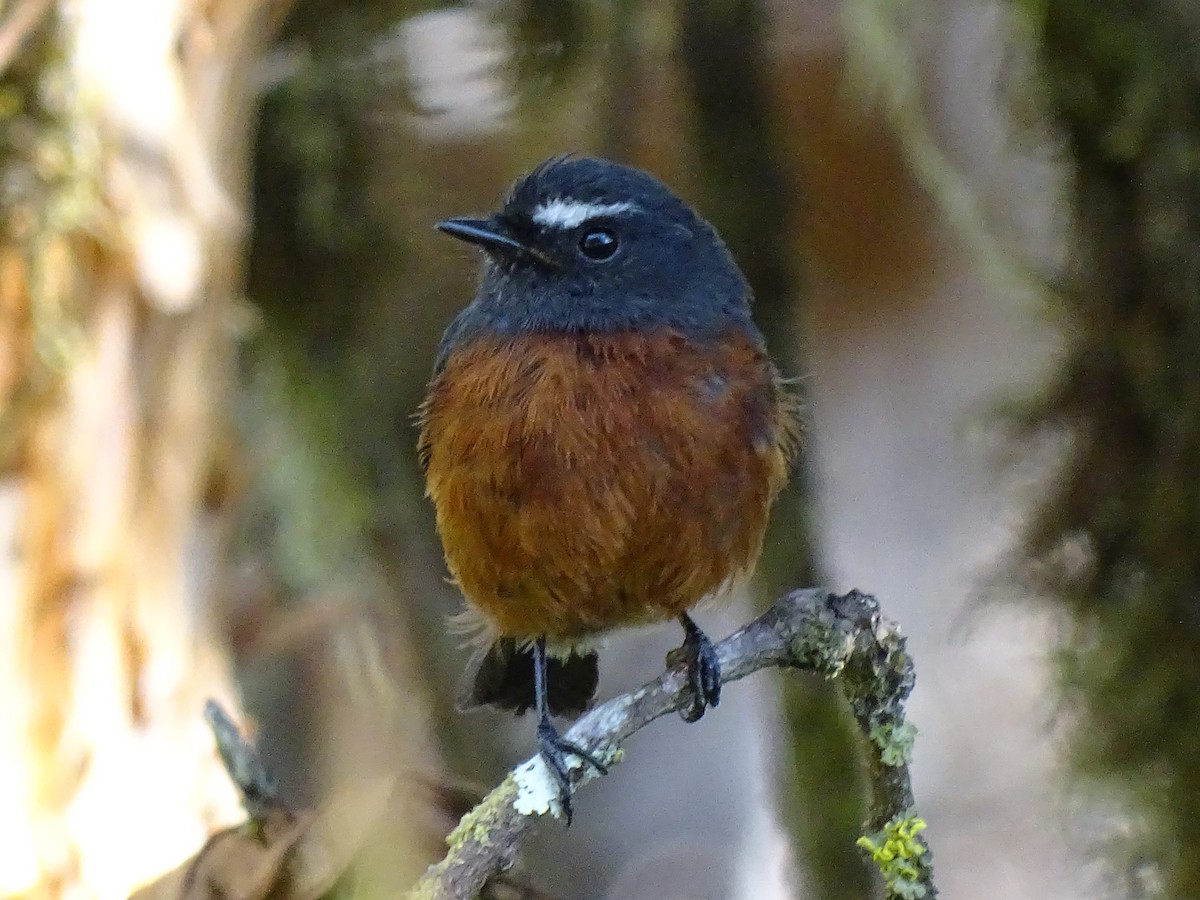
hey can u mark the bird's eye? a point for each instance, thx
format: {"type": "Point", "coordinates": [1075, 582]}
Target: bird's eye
{"type": "Point", "coordinates": [598, 244]}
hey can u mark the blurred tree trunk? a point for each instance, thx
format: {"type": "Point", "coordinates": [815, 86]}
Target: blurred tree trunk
{"type": "Point", "coordinates": [724, 49]}
{"type": "Point", "coordinates": [1115, 540]}
{"type": "Point", "coordinates": [126, 140]}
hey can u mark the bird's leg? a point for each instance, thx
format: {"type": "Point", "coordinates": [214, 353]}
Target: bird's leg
{"type": "Point", "coordinates": [551, 745]}
{"type": "Point", "coordinates": [703, 669]}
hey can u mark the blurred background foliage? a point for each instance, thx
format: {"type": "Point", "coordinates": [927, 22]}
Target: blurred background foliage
{"type": "Point", "coordinates": [368, 122]}
{"type": "Point", "coordinates": [343, 181]}
{"type": "Point", "coordinates": [1114, 540]}
{"type": "Point", "coordinates": [693, 91]}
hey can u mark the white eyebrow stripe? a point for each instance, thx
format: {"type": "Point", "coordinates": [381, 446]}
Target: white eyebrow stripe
{"type": "Point", "coordinates": [562, 213]}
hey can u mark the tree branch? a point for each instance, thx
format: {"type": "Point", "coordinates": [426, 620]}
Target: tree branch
{"type": "Point", "coordinates": [843, 637]}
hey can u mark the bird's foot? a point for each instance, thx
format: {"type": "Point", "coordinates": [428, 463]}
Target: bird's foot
{"type": "Point", "coordinates": [703, 669]}
{"type": "Point", "coordinates": [554, 749]}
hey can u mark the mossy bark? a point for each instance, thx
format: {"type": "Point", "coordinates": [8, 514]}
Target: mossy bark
{"type": "Point", "coordinates": [1114, 541]}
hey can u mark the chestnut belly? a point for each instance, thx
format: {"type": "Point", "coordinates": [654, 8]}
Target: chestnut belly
{"type": "Point", "coordinates": [585, 483]}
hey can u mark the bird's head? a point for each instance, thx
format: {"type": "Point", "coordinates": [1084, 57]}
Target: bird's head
{"type": "Point", "coordinates": [588, 245]}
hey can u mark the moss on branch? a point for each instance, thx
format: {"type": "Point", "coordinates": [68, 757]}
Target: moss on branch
{"type": "Point", "coordinates": [845, 638]}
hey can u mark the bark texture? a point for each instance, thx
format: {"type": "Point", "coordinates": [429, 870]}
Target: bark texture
{"type": "Point", "coordinates": [125, 158]}
{"type": "Point", "coordinates": [845, 638]}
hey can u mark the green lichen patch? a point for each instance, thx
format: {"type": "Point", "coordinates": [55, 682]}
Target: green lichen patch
{"type": "Point", "coordinates": [476, 825]}
{"type": "Point", "coordinates": [895, 742]}
{"type": "Point", "coordinates": [824, 645]}
{"type": "Point", "coordinates": [900, 856]}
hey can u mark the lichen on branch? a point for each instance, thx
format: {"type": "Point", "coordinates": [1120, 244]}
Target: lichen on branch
{"type": "Point", "coordinates": [845, 638]}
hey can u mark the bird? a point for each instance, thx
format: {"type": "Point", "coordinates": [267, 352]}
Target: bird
{"type": "Point", "coordinates": [603, 436]}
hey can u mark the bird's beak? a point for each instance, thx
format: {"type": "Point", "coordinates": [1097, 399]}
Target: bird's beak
{"type": "Point", "coordinates": [484, 232]}
{"type": "Point", "coordinates": [492, 237]}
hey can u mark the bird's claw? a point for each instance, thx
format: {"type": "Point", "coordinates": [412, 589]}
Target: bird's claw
{"type": "Point", "coordinates": [554, 749]}
{"type": "Point", "coordinates": [703, 670]}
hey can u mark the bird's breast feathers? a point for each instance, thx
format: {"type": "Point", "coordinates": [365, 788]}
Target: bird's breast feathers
{"type": "Point", "coordinates": [587, 481]}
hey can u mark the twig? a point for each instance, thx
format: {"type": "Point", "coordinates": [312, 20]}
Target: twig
{"type": "Point", "coordinates": [843, 637]}
{"type": "Point", "coordinates": [242, 761]}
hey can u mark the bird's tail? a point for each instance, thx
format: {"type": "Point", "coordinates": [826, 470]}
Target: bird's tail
{"type": "Point", "coordinates": [502, 675]}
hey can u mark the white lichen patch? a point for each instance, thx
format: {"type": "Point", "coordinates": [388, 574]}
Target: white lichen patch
{"type": "Point", "coordinates": [609, 718]}
{"type": "Point", "coordinates": [537, 791]}
{"type": "Point", "coordinates": [886, 630]}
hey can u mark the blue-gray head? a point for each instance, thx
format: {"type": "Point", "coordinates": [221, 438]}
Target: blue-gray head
{"type": "Point", "coordinates": [588, 245]}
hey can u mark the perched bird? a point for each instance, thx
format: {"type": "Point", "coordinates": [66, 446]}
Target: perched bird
{"type": "Point", "coordinates": [603, 435]}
